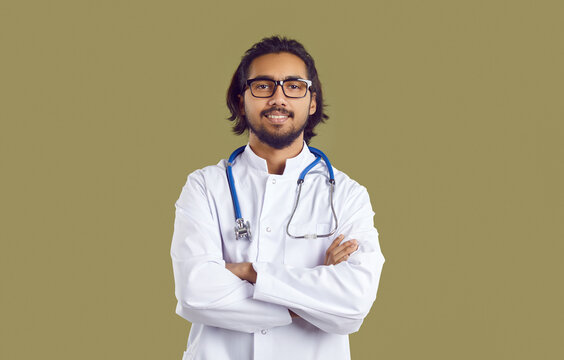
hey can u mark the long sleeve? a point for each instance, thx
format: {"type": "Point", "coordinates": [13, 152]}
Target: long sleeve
{"type": "Point", "coordinates": [206, 291]}
{"type": "Point", "coordinates": [334, 298]}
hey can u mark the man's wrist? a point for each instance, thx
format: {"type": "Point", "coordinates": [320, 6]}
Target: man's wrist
{"type": "Point", "coordinates": [250, 273]}
{"type": "Point", "coordinates": [243, 271]}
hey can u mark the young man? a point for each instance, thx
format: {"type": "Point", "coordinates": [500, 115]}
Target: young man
{"type": "Point", "coordinates": [301, 271]}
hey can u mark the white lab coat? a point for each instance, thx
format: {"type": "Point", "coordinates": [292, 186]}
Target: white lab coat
{"type": "Point", "coordinates": [236, 320]}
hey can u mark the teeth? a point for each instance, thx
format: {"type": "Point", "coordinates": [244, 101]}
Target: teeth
{"type": "Point", "coordinates": [277, 116]}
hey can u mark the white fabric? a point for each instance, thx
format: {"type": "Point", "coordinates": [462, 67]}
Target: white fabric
{"type": "Point", "coordinates": [234, 319]}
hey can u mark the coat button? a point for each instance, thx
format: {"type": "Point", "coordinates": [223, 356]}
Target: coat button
{"type": "Point", "coordinates": [268, 229]}
{"type": "Point", "coordinates": [274, 181]}
{"type": "Point", "coordinates": [263, 332]}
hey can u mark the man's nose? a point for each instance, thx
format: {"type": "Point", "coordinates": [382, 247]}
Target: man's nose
{"type": "Point", "coordinates": [278, 98]}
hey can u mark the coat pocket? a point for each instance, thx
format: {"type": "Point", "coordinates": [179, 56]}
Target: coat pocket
{"type": "Point", "coordinates": [308, 252]}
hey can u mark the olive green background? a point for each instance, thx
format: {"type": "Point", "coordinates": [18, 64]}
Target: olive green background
{"type": "Point", "coordinates": [449, 112]}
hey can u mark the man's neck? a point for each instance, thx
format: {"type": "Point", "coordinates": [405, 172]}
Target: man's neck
{"type": "Point", "coordinates": [275, 158]}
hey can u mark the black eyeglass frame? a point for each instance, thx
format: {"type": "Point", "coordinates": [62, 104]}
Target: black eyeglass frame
{"type": "Point", "coordinates": [276, 83]}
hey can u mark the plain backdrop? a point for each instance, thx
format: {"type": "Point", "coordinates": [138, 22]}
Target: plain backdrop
{"type": "Point", "coordinates": [449, 112]}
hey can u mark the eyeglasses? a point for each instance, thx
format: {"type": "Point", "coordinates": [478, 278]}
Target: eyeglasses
{"type": "Point", "coordinates": [292, 88]}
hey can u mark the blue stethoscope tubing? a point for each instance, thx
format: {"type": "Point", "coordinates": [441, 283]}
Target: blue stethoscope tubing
{"type": "Point", "coordinates": [242, 227]}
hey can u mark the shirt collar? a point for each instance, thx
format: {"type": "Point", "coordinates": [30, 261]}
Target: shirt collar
{"type": "Point", "coordinates": [293, 165]}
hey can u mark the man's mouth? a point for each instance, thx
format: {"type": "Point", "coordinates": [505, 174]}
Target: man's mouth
{"type": "Point", "coordinates": [277, 119]}
{"type": "Point", "coordinates": [277, 116]}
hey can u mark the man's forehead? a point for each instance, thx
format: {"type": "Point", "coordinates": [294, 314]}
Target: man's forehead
{"type": "Point", "coordinates": [278, 65]}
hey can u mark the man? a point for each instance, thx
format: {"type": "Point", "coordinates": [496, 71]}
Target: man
{"type": "Point", "coordinates": [268, 295]}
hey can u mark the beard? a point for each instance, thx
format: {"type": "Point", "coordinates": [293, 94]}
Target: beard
{"type": "Point", "coordinates": [276, 139]}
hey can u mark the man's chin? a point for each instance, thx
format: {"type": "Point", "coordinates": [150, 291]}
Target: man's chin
{"type": "Point", "coordinates": [277, 136]}
{"type": "Point", "coordinates": [277, 141]}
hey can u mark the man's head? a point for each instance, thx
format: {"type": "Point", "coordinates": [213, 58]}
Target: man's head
{"type": "Point", "coordinates": [278, 118]}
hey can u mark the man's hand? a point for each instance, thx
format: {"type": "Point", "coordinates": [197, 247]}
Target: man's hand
{"type": "Point", "coordinates": [337, 253]}
{"type": "Point", "coordinates": [243, 271]}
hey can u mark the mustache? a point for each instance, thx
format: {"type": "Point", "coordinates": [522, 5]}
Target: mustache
{"type": "Point", "coordinates": [281, 110]}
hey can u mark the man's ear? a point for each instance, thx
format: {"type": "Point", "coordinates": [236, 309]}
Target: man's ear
{"type": "Point", "coordinates": [312, 104]}
{"type": "Point", "coordinates": [241, 105]}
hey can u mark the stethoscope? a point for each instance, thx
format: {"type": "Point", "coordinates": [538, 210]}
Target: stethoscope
{"type": "Point", "coordinates": [243, 228]}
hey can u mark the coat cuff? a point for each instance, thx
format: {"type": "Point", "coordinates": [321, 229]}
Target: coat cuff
{"type": "Point", "coordinates": [263, 290]}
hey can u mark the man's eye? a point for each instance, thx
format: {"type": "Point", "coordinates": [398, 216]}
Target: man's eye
{"type": "Point", "coordinates": [262, 86]}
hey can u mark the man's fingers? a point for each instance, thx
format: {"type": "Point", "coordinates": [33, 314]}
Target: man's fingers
{"type": "Point", "coordinates": [344, 258]}
{"type": "Point", "coordinates": [345, 249]}
{"type": "Point", "coordinates": [331, 247]}
{"type": "Point", "coordinates": [337, 252]}
{"type": "Point", "coordinates": [348, 246]}
{"type": "Point", "coordinates": [335, 243]}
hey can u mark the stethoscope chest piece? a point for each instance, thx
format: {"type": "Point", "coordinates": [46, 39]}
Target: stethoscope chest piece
{"type": "Point", "coordinates": [242, 229]}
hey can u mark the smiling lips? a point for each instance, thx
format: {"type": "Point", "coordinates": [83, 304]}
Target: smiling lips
{"type": "Point", "coordinates": [277, 117]}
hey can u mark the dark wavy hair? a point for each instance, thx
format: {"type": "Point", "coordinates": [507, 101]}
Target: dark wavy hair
{"type": "Point", "coordinates": [270, 45]}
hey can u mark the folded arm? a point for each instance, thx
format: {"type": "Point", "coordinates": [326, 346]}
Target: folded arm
{"type": "Point", "coordinates": [335, 298]}
{"type": "Point", "coordinates": [206, 291]}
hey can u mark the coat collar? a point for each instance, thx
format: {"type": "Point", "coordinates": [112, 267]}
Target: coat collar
{"type": "Point", "coordinates": [293, 165]}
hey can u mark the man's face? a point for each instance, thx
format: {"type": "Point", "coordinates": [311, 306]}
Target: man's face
{"type": "Point", "coordinates": [277, 121]}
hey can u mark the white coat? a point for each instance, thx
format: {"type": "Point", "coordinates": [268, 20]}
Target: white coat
{"type": "Point", "coordinates": [236, 320]}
